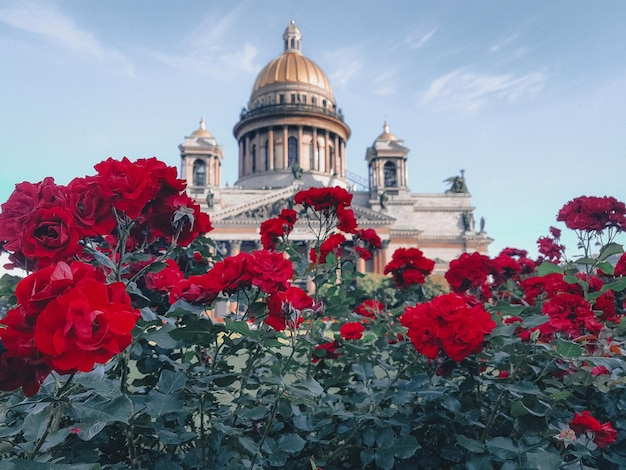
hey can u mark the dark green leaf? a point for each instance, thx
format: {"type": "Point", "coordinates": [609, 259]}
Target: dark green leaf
{"type": "Point", "coordinates": [367, 455]}
{"type": "Point", "coordinates": [543, 460]}
{"type": "Point", "coordinates": [98, 408]}
{"type": "Point", "coordinates": [546, 268]}
{"type": "Point", "coordinates": [291, 443]}
{"type": "Point", "coordinates": [384, 459]}
{"type": "Point", "coordinates": [610, 249]}
{"type": "Point", "coordinates": [470, 444]}
{"type": "Point", "coordinates": [568, 348]}
{"type": "Point", "coordinates": [170, 382]}
{"type": "Point", "coordinates": [503, 448]}
{"type": "Point", "coordinates": [404, 447]}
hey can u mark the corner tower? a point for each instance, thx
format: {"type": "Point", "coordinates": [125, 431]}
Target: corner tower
{"type": "Point", "coordinates": [291, 127]}
{"type": "Point", "coordinates": [387, 163]}
{"type": "Point", "coordinates": [201, 160]}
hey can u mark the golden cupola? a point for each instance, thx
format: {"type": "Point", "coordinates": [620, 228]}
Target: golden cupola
{"type": "Point", "coordinates": [291, 127]}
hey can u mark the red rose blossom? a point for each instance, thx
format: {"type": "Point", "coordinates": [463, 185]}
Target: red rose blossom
{"type": "Point", "coordinates": [88, 324]}
{"type": "Point", "coordinates": [591, 213]}
{"type": "Point", "coordinates": [325, 351]}
{"type": "Point", "coordinates": [285, 308]}
{"type": "Point", "coordinates": [352, 330]}
{"type": "Point", "coordinates": [370, 308]}
{"type": "Point", "coordinates": [332, 244]}
{"type": "Point", "coordinates": [604, 434]}
{"type": "Point", "coordinates": [164, 279]}
{"type": "Point", "coordinates": [449, 324]}
{"type": "Point", "coordinates": [409, 266]}
{"type": "Point", "coordinates": [271, 272]}
{"type": "Point", "coordinates": [469, 271]}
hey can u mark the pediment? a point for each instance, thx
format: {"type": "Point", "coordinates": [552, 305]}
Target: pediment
{"type": "Point", "coordinates": [271, 202]}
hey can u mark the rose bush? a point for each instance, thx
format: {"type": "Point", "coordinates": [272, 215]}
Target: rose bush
{"type": "Point", "coordinates": [112, 355]}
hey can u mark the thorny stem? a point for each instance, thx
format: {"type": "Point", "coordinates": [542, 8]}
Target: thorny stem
{"type": "Point", "coordinates": [53, 420]}
{"type": "Point", "coordinates": [270, 422]}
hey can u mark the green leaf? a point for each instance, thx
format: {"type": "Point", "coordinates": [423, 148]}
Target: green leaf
{"type": "Point", "coordinates": [585, 261]}
{"type": "Point", "coordinates": [384, 459]}
{"type": "Point", "coordinates": [473, 446]}
{"type": "Point", "coordinates": [543, 460]}
{"type": "Point", "coordinates": [170, 382]}
{"type": "Point", "coordinates": [367, 455]}
{"type": "Point", "coordinates": [291, 443]}
{"type": "Point", "coordinates": [607, 268]}
{"type": "Point", "coordinates": [546, 268]}
{"type": "Point", "coordinates": [258, 412]}
{"type": "Point", "coordinates": [618, 285]}
{"type": "Point", "coordinates": [404, 447]}
{"type": "Point", "coordinates": [610, 249]}
{"type": "Point", "coordinates": [248, 444]}
{"type": "Point", "coordinates": [162, 337]}
{"type": "Point", "coordinates": [568, 348]}
{"type": "Point", "coordinates": [503, 448]}
{"type": "Point", "coordinates": [99, 408]}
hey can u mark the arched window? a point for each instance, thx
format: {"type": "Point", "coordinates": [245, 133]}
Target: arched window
{"type": "Point", "coordinates": [253, 155]}
{"type": "Point", "coordinates": [199, 173]}
{"type": "Point", "coordinates": [292, 151]}
{"type": "Point", "coordinates": [389, 170]}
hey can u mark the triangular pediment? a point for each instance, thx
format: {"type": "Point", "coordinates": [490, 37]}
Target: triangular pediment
{"type": "Point", "coordinates": [269, 204]}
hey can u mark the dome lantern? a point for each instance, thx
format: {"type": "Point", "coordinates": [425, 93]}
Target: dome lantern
{"type": "Point", "coordinates": [293, 38]}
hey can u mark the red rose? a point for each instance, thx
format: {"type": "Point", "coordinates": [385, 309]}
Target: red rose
{"type": "Point", "coordinates": [88, 324]}
{"type": "Point", "coordinates": [127, 185]}
{"type": "Point", "coordinates": [91, 209]}
{"type": "Point", "coordinates": [50, 235]}
{"type": "Point", "coordinates": [409, 266]}
{"type": "Point", "coordinates": [370, 308]}
{"type": "Point", "coordinates": [352, 330]}
{"type": "Point", "coordinates": [570, 315]}
{"type": "Point", "coordinates": [231, 274]}
{"type": "Point", "coordinates": [620, 267]}
{"type": "Point", "coordinates": [272, 231]}
{"type": "Point", "coordinates": [176, 213]}
{"type": "Point", "coordinates": [326, 351]}
{"type": "Point", "coordinates": [450, 324]}
{"type": "Point", "coordinates": [469, 271]}
{"type": "Point", "coordinates": [324, 199]}
{"type": "Point", "coordinates": [332, 244]}
{"type": "Point", "coordinates": [346, 220]}
{"type": "Point", "coordinates": [605, 435]}
{"type": "Point", "coordinates": [196, 290]}
{"type": "Point", "coordinates": [590, 213]}
{"type": "Point", "coordinates": [271, 272]}
{"type": "Point", "coordinates": [164, 279]}
{"type": "Point", "coordinates": [285, 308]}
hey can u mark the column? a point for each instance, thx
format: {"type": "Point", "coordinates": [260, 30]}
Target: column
{"type": "Point", "coordinates": [326, 152]}
{"type": "Point", "coordinates": [270, 147]}
{"type": "Point", "coordinates": [300, 159]}
{"type": "Point", "coordinates": [285, 147]}
{"type": "Point", "coordinates": [235, 247]}
{"type": "Point", "coordinates": [241, 160]}
{"type": "Point", "coordinates": [316, 157]}
{"type": "Point", "coordinates": [247, 155]}
{"type": "Point", "coordinates": [337, 165]}
{"type": "Point", "coordinates": [344, 159]}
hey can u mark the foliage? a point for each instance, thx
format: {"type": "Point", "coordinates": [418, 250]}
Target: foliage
{"type": "Point", "coordinates": [290, 379]}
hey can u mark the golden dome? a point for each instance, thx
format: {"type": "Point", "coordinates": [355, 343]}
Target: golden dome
{"type": "Point", "coordinates": [386, 135]}
{"type": "Point", "coordinates": [201, 131]}
{"type": "Point", "coordinates": [292, 67]}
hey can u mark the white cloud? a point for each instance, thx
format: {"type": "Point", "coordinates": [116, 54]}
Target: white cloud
{"type": "Point", "coordinates": [44, 20]}
{"type": "Point", "coordinates": [468, 91]}
{"type": "Point", "coordinates": [383, 83]}
{"type": "Point", "coordinates": [504, 43]}
{"type": "Point", "coordinates": [210, 51]}
{"type": "Point", "coordinates": [415, 40]}
{"type": "Point", "coordinates": [345, 64]}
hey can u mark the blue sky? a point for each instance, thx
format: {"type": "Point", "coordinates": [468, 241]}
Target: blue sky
{"type": "Point", "coordinates": [528, 98]}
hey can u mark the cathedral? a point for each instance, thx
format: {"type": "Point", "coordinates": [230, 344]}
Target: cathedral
{"type": "Point", "coordinates": [292, 136]}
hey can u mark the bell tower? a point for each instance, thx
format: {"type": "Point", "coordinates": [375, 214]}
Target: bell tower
{"type": "Point", "coordinates": [201, 160]}
{"type": "Point", "coordinates": [387, 163]}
